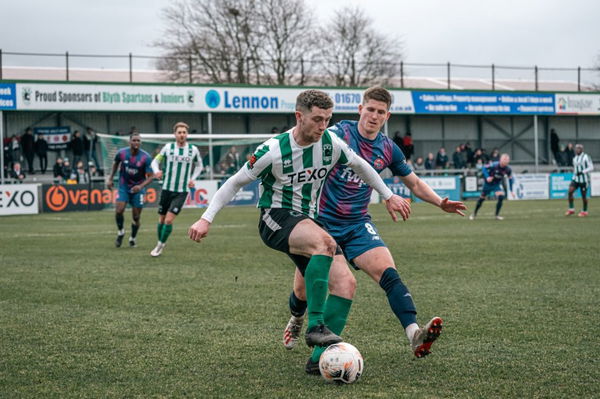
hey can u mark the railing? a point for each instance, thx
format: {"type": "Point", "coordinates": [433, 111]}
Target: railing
{"type": "Point", "coordinates": [532, 77]}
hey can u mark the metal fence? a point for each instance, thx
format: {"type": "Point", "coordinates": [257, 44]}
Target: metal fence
{"type": "Point", "coordinates": [409, 75]}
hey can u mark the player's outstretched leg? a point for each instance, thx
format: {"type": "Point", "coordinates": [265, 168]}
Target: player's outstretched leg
{"type": "Point", "coordinates": [317, 277]}
{"type": "Point", "coordinates": [294, 326]}
{"type": "Point", "coordinates": [498, 207]}
{"type": "Point", "coordinates": [336, 314]}
{"type": "Point", "coordinates": [426, 336]}
{"type": "Point", "coordinates": [479, 203]}
{"type": "Point", "coordinates": [121, 231]}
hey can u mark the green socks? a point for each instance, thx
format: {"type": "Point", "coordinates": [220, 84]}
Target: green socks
{"type": "Point", "coordinates": [316, 277]}
{"type": "Point", "coordinates": [571, 204]}
{"type": "Point", "coordinates": [164, 231]}
{"type": "Point", "coordinates": [336, 314]}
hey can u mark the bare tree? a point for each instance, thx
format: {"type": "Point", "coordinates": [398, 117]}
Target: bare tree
{"type": "Point", "coordinates": [357, 55]}
{"type": "Point", "coordinates": [211, 40]}
{"type": "Point", "coordinates": [286, 47]}
{"type": "Point", "coordinates": [236, 41]}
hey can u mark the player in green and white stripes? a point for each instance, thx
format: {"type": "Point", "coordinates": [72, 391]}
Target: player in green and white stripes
{"type": "Point", "coordinates": [292, 168]}
{"type": "Point", "coordinates": [182, 165]}
{"type": "Point", "coordinates": [582, 166]}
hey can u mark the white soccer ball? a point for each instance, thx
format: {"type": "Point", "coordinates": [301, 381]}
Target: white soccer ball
{"type": "Point", "coordinates": [341, 362]}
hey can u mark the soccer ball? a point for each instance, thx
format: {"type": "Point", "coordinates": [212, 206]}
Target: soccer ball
{"type": "Point", "coordinates": [341, 362]}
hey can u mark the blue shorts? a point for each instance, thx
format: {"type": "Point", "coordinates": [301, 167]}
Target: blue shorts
{"type": "Point", "coordinates": [355, 238]}
{"type": "Point", "coordinates": [135, 200]}
{"type": "Point", "coordinates": [491, 188]}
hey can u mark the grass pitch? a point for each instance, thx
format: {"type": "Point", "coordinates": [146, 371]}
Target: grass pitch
{"type": "Point", "coordinates": [80, 318]}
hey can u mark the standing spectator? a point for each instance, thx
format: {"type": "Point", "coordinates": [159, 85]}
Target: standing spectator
{"type": "Point", "coordinates": [399, 140]}
{"type": "Point", "coordinates": [41, 149]}
{"type": "Point", "coordinates": [77, 146]}
{"type": "Point", "coordinates": [469, 154]}
{"type": "Point", "coordinates": [27, 144]}
{"type": "Point", "coordinates": [15, 149]}
{"type": "Point", "coordinates": [430, 162]}
{"type": "Point", "coordinates": [458, 158]}
{"type": "Point", "coordinates": [16, 172]}
{"type": "Point", "coordinates": [441, 159]}
{"type": "Point", "coordinates": [569, 154]}
{"type": "Point", "coordinates": [93, 143]}
{"type": "Point", "coordinates": [495, 155]}
{"type": "Point", "coordinates": [407, 145]}
{"type": "Point", "coordinates": [554, 146]}
{"type": "Point", "coordinates": [419, 163]}
{"type": "Point", "coordinates": [59, 170]}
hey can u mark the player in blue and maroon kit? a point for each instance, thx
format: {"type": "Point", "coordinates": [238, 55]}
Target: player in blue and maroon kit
{"type": "Point", "coordinates": [344, 214]}
{"type": "Point", "coordinates": [135, 174]}
{"type": "Point", "coordinates": [493, 175]}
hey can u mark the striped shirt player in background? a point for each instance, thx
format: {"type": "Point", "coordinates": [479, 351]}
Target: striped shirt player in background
{"type": "Point", "coordinates": [182, 166]}
{"type": "Point", "coordinates": [493, 175]}
{"type": "Point", "coordinates": [292, 168]}
{"type": "Point", "coordinates": [343, 211]}
{"type": "Point", "coordinates": [582, 166]}
{"type": "Point", "coordinates": [134, 175]}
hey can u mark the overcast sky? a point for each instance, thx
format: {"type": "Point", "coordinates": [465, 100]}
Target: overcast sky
{"type": "Point", "coordinates": [550, 33]}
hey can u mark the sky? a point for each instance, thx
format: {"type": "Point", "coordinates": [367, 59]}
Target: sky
{"type": "Point", "coordinates": [549, 33]}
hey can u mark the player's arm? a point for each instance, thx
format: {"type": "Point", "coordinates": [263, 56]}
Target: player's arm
{"type": "Point", "coordinates": [251, 171]}
{"type": "Point", "coordinates": [486, 174]}
{"type": "Point", "coordinates": [111, 176]}
{"type": "Point", "coordinates": [155, 165]}
{"type": "Point", "coordinates": [197, 169]}
{"type": "Point", "coordinates": [422, 191]}
{"type": "Point", "coordinates": [590, 166]}
{"type": "Point", "coordinates": [149, 177]}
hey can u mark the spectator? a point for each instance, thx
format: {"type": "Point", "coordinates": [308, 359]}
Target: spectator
{"type": "Point", "coordinates": [93, 143]}
{"type": "Point", "coordinates": [59, 170]}
{"type": "Point", "coordinates": [469, 154]}
{"type": "Point", "coordinates": [480, 156]}
{"type": "Point", "coordinates": [554, 146]}
{"type": "Point", "coordinates": [408, 147]}
{"type": "Point", "coordinates": [430, 162]}
{"type": "Point", "coordinates": [495, 155]}
{"type": "Point", "coordinates": [68, 171]}
{"type": "Point", "coordinates": [16, 172]}
{"type": "Point", "coordinates": [399, 141]}
{"type": "Point", "coordinates": [274, 130]}
{"type": "Point", "coordinates": [441, 159]}
{"type": "Point", "coordinates": [82, 176]}
{"type": "Point", "coordinates": [93, 171]}
{"type": "Point", "coordinates": [77, 146]}
{"type": "Point", "coordinates": [232, 159]}
{"type": "Point", "coordinates": [419, 163]}
{"type": "Point", "coordinates": [15, 149]}
{"type": "Point", "coordinates": [458, 158]}
{"type": "Point", "coordinates": [41, 149]}
{"type": "Point", "coordinates": [27, 144]}
{"type": "Point", "coordinates": [569, 154]}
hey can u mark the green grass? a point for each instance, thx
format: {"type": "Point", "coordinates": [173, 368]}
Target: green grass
{"type": "Point", "coordinates": [79, 318]}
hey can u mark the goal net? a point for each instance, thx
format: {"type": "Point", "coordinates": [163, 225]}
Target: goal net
{"type": "Point", "coordinates": [224, 153]}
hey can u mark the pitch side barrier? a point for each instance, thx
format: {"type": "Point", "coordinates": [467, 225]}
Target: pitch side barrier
{"type": "Point", "coordinates": [456, 184]}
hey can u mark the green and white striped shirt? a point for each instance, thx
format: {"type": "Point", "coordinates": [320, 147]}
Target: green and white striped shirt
{"type": "Point", "coordinates": [177, 171]}
{"type": "Point", "coordinates": [582, 166]}
{"type": "Point", "coordinates": [291, 175]}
